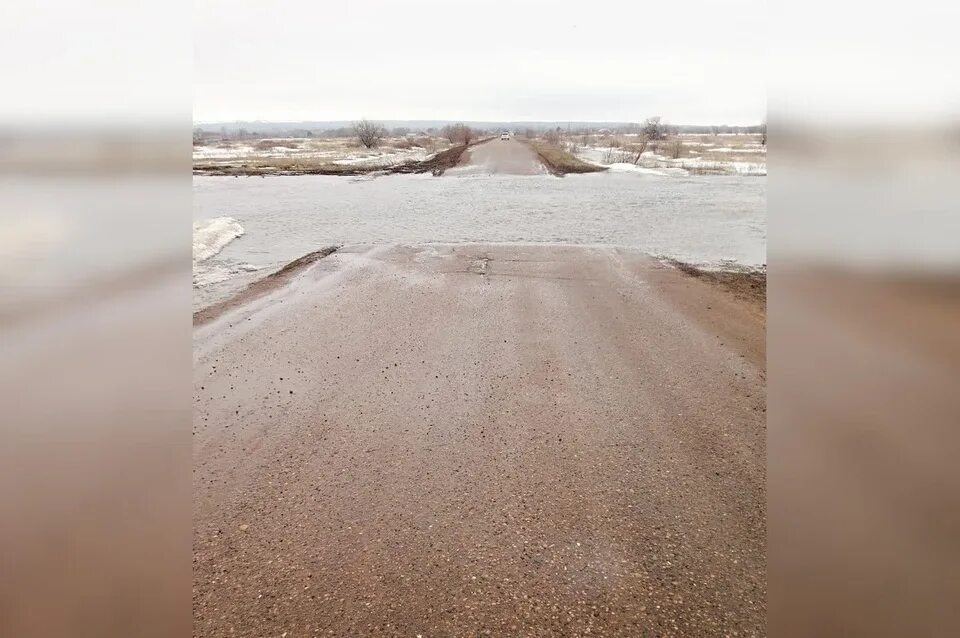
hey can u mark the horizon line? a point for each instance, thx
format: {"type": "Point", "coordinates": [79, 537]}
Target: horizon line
{"type": "Point", "coordinates": [480, 121]}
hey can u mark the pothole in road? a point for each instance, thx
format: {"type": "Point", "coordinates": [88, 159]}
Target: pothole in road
{"type": "Point", "coordinates": [479, 266]}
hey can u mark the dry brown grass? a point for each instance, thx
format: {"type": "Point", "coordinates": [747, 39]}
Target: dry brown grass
{"type": "Point", "coordinates": [559, 161]}
{"type": "Point", "coordinates": [402, 143]}
{"type": "Point", "coordinates": [266, 145]}
{"type": "Point", "coordinates": [314, 155]}
{"type": "Point", "coordinates": [312, 165]}
{"type": "Point", "coordinates": [430, 144]}
{"type": "Point", "coordinates": [280, 166]}
{"type": "Point", "coordinates": [742, 148]}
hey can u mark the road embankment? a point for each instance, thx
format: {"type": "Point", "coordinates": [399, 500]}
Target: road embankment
{"type": "Point", "coordinates": [560, 162]}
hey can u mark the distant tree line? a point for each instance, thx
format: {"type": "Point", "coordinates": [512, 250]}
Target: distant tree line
{"type": "Point", "coordinates": [457, 133]}
{"type": "Point", "coordinates": [660, 131]}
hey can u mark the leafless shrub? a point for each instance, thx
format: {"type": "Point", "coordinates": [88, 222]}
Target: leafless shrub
{"type": "Point", "coordinates": [426, 142]}
{"type": "Point", "coordinates": [676, 146]}
{"type": "Point", "coordinates": [654, 129]}
{"type": "Point", "coordinates": [369, 133]}
{"type": "Point", "coordinates": [611, 141]}
{"type": "Point", "coordinates": [421, 141]}
{"type": "Point", "coordinates": [458, 133]}
{"type": "Point", "coordinates": [616, 156]}
{"type": "Point", "coordinates": [715, 168]}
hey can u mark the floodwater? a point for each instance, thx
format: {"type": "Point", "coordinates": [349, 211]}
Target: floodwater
{"type": "Point", "coordinates": [269, 221]}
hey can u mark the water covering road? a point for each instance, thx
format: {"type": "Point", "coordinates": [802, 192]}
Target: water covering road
{"type": "Point", "coordinates": [701, 219]}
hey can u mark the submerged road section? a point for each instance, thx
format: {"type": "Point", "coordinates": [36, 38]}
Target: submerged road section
{"type": "Point", "coordinates": [481, 440]}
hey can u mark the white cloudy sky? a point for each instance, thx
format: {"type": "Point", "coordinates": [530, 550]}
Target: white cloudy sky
{"type": "Point", "coordinates": [691, 62]}
{"type": "Point", "coordinates": [699, 61]}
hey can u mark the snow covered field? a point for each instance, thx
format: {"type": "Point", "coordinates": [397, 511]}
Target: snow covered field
{"type": "Point", "coordinates": [336, 151]}
{"type": "Point", "coordinates": [695, 154]}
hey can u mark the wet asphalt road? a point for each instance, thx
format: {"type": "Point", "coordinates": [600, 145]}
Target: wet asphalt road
{"type": "Point", "coordinates": [482, 440]}
{"type": "Point", "coordinates": [500, 157]}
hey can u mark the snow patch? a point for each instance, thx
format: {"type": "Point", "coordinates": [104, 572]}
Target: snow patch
{"type": "Point", "coordinates": [727, 149]}
{"type": "Point", "coordinates": [210, 236]}
{"type": "Point", "coordinates": [623, 167]}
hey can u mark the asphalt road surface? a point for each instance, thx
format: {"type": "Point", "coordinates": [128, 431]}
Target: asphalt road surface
{"type": "Point", "coordinates": [482, 440]}
{"type": "Point", "coordinates": [500, 157]}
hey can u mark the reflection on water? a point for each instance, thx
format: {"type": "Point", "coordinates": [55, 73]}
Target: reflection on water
{"type": "Point", "coordinates": [699, 219]}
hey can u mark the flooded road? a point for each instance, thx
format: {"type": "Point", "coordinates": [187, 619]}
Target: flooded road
{"type": "Point", "coordinates": [273, 220]}
{"type": "Point", "coordinates": [489, 411]}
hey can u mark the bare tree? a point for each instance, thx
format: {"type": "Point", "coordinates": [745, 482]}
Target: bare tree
{"type": "Point", "coordinates": [654, 129]}
{"type": "Point", "coordinates": [459, 133]}
{"type": "Point", "coordinates": [369, 133]}
{"type": "Point", "coordinates": [640, 147]}
{"type": "Point", "coordinates": [651, 130]}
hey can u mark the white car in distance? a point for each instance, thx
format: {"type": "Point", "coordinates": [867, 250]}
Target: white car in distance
{"type": "Point", "coordinates": [505, 135]}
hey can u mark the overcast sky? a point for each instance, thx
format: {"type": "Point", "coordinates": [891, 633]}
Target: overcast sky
{"type": "Point", "coordinates": [122, 62]}
{"type": "Point", "coordinates": [698, 61]}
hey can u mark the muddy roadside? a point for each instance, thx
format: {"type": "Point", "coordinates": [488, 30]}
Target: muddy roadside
{"type": "Point", "coordinates": [731, 304]}
{"type": "Point", "coordinates": [747, 284]}
{"type": "Point", "coordinates": [262, 287]}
